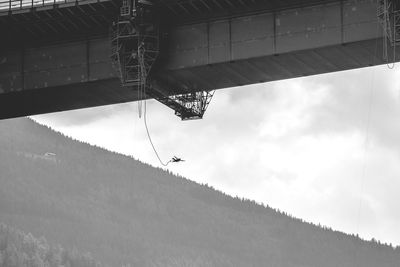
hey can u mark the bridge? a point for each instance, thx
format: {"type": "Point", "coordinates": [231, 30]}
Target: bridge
{"type": "Point", "coordinates": [58, 55]}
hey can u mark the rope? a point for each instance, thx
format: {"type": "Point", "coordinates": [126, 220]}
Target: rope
{"type": "Point", "coordinates": [365, 159]}
{"type": "Point", "coordinates": [149, 137]}
{"type": "Point", "coordinates": [143, 92]}
{"type": "Point", "coordinates": [368, 122]}
{"type": "Point", "coordinates": [140, 77]}
{"type": "Point", "coordinates": [366, 141]}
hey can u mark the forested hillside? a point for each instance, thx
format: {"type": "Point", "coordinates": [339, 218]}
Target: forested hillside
{"type": "Point", "coordinates": [18, 249]}
{"type": "Point", "coordinates": [126, 212]}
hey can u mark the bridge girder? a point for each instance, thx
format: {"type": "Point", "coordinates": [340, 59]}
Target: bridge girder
{"type": "Point", "coordinates": [214, 53]}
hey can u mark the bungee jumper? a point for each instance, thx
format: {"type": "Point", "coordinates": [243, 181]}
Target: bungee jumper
{"type": "Point", "coordinates": [176, 159]}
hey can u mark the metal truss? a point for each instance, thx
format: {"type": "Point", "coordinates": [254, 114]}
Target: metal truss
{"type": "Point", "coordinates": [396, 16]}
{"type": "Point", "coordinates": [388, 13]}
{"type": "Point", "coordinates": [134, 50]}
{"type": "Point", "coordinates": [189, 106]}
{"type": "Point", "coordinates": [134, 43]}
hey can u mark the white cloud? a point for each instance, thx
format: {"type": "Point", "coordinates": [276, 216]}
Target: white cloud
{"type": "Point", "coordinates": [297, 145]}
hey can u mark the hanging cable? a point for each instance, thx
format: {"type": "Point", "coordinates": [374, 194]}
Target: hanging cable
{"type": "Point", "coordinates": [149, 137]}
{"type": "Point", "coordinates": [143, 85]}
{"type": "Point", "coordinates": [393, 64]}
{"type": "Point", "coordinates": [365, 149]}
{"type": "Point", "coordinates": [140, 77]}
{"type": "Point", "coordinates": [365, 159]}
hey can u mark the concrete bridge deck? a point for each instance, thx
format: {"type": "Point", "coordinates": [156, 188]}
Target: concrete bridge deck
{"type": "Point", "coordinates": [216, 50]}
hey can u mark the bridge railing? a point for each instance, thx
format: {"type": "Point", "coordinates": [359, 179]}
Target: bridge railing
{"type": "Point", "coordinates": [9, 5]}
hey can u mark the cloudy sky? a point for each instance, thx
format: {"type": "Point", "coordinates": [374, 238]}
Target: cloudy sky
{"type": "Point", "coordinates": [323, 148]}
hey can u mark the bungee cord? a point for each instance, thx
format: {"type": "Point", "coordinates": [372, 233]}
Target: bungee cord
{"type": "Point", "coordinates": [149, 137]}
{"type": "Point", "coordinates": [142, 105]}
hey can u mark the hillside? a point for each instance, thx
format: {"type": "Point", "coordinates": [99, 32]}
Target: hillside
{"type": "Point", "coordinates": [124, 211]}
{"type": "Point", "coordinates": [19, 249]}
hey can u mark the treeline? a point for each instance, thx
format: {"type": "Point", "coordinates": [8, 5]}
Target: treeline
{"type": "Point", "coordinates": [124, 211]}
{"type": "Point", "coordinates": [18, 249]}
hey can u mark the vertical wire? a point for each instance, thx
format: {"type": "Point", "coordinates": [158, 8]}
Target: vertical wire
{"type": "Point", "coordinates": [366, 142]}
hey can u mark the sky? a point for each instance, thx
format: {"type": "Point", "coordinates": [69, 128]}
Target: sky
{"type": "Point", "coordinates": [323, 148]}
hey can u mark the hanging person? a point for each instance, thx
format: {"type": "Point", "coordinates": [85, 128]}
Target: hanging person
{"type": "Point", "coordinates": [176, 159]}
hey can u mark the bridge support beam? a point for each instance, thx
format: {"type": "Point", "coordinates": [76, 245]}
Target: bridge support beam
{"type": "Point", "coordinates": [216, 54]}
{"type": "Point", "coordinates": [275, 45]}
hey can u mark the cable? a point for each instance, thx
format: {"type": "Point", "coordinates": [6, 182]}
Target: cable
{"type": "Point", "coordinates": [365, 152]}
{"type": "Point", "coordinates": [143, 85]}
{"type": "Point", "coordinates": [365, 156]}
{"type": "Point", "coordinates": [391, 66]}
{"type": "Point", "coordinates": [140, 78]}
{"type": "Point", "coordinates": [149, 137]}
{"type": "Point", "coordinates": [368, 121]}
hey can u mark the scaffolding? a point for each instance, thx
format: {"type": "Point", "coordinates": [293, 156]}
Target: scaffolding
{"type": "Point", "coordinates": [134, 43]}
{"type": "Point", "coordinates": [388, 13]}
{"type": "Point", "coordinates": [189, 106]}
{"type": "Point", "coordinates": [134, 51]}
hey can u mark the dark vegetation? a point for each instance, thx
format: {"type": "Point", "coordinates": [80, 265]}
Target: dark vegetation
{"type": "Point", "coordinates": [126, 212]}
{"type": "Point", "coordinates": [18, 249]}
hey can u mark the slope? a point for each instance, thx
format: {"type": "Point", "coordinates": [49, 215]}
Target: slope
{"type": "Point", "coordinates": [124, 211]}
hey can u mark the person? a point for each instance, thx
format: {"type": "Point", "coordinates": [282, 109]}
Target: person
{"type": "Point", "coordinates": [176, 159]}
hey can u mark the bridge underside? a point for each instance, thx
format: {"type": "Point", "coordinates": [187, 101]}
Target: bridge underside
{"type": "Point", "coordinates": [216, 53]}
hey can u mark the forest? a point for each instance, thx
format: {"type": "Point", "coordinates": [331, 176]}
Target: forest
{"type": "Point", "coordinates": [124, 212]}
{"type": "Point", "coordinates": [18, 249]}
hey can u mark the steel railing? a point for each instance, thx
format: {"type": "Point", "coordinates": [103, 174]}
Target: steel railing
{"type": "Point", "coordinates": [7, 5]}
